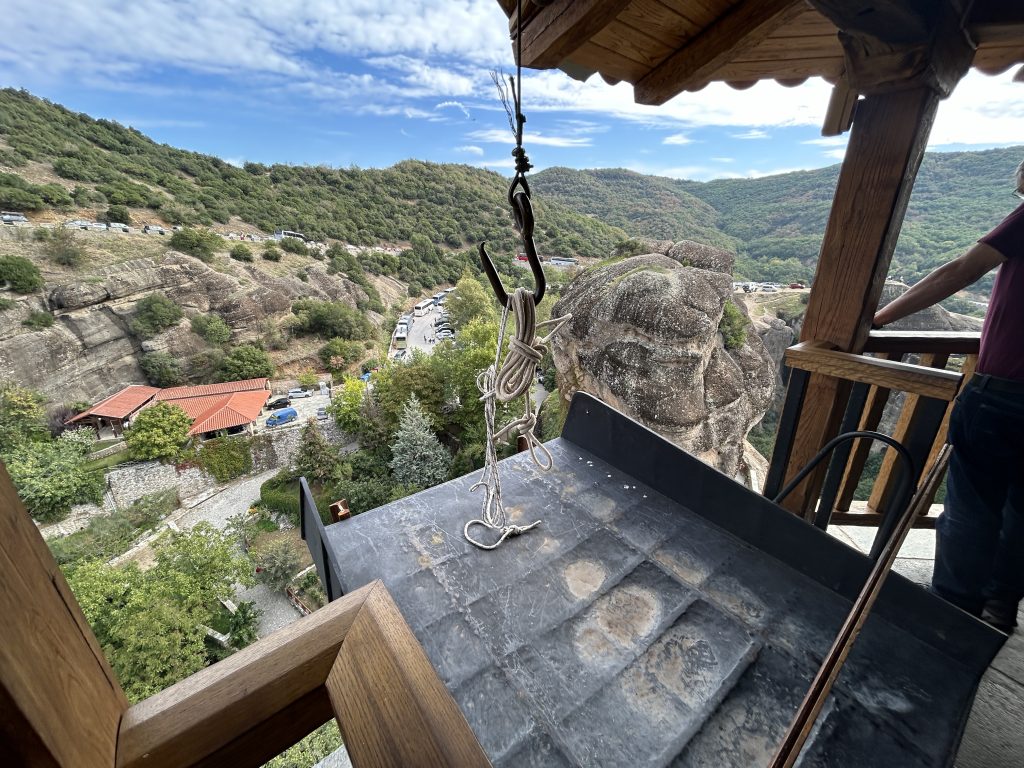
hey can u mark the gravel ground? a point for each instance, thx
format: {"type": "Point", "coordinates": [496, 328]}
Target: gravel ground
{"type": "Point", "coordinates": [277, 611]}
{"type": "Point", "coordinates": [233, 499]}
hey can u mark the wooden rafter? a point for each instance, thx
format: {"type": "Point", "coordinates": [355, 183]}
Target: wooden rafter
{"type": "Point", "coordinates": [740, 29]}
{"type": "Point", "coordinates": [558, 29]}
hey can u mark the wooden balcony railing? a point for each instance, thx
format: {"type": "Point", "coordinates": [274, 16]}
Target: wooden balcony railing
{"type": "Point", "coordinates": [923, 391]}
{"type": "Point", "coordinates": [355, 660]}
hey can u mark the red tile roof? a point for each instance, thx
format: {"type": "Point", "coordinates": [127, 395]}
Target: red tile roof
{"type": "Point", "coordinates": [214, 412]}
{"type": "Point", "coordinates": [122, 404]}
{"type": "Point", "coordinates": [201, 390]}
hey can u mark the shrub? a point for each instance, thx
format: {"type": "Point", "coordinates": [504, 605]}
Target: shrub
{"type": "Point", "coordinates": [20, 274]}
{"type": "Point", "coordinates": [338, 354]}
{"type": "Point", "coordinates": [63, 247]}
{"type": "Point", "coordinates": [246, 362]}
{"type": "Point", "coordinates": [161, 369]}
{"type": "Point", "coordinates": [37, 321]}
{"type": "Point", "coordinates": [211, 328]}
{"type": "Point", "coordinates": [117, 213]}
{"type": "Point", "coordinates": [270, 253]}
{"type": "Point", "coordinates": [225, 458]}
{"type": "Point", "coordinates": [308, 379]}
{"type": "Point", "coordinates": [241, 252]}
{"type": "Point", "coordinates": [200, 243]}
{"type": "Point", "coordinates": [158, 432]}
{"type": "Point", "coordinates": [277, 562]}
{"type": "Point", "coordinates": [281, 499]}
{"type": "Point", "coordinates": [51, 476]}
{"type": "Point", "coordinates": [733, 326]}
{"type": "Point", "coordinates": [330, 319]}
{"type": "Point", "coordinates": [154, 314]}
{"type": "Point", "coordinates": [6, 303]}
{"type": "Point", "coordinates": [294, 245]}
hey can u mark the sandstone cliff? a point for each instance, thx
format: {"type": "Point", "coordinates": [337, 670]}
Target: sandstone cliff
{"type": "Point", "coordinates": [645, 338]}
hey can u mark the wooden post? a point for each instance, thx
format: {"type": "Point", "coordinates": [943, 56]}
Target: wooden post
{"type": "Point", "coordinates": [886, 146]}
{"type": "Point", "coordinates": [60, 704]}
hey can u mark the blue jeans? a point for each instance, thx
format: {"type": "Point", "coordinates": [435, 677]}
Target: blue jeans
{"type": "Point", "coordinates": [979, 552]}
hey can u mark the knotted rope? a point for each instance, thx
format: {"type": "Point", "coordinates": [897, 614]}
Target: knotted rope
{"type": "Point", "coordinates": [501, 384]}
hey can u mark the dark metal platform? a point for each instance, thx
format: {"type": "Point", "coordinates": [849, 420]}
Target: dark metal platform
{"type": "Point", "coordinates": [662, 615]}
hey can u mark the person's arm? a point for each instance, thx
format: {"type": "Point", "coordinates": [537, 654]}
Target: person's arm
{"type": "Point", "coordinates": [942, 283]}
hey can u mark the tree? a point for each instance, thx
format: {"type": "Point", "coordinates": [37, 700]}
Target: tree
{"type": "Point", "coordinates": [20, 274]}
{"type": "Point", "coordinates": [277, 562]}
{"type": "Point", "coordinates": [246, 362]}
{"type": "Point", "coordinates": [470, 302]}
{"type": "Point", "coordinates": [21, 414]}
{"type": "Point", "coordinates": [52, 476]}
{"type": "Point", "coordinates": [418, 458]}
{"type": "Point", "coordinates": [153, 314]}
{"type": "Point", "coordinates": [158, 432]}
{"type": "Point", "coordinates": [211, 328]}
{"type": "Point", "coordinates": [316, 459]}
{"type": "Point", "coordinates": [245, 624]}
{"type": "Point", "coordinates": [117, 214]}
{"type": "Point", "coordinates": [338, 354]}
{"type": "Point", "coordinates": [161, 369]}
{"type": "Point", "coordinates": [347, 405]}
{"type": "Point", "coordinates": [148, 621]}
{"type": "Point", "coordinates": [330, 319]}
{"type": "Point", "coordinates": [308, 379]}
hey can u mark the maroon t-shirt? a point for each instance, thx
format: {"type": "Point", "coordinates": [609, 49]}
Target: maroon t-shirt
{"type": "Point", "coordinates": [1002, 338]}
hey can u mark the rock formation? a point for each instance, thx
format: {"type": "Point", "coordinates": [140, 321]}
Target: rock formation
{"type": "Point", "coordinates": [645, 338]}
{"type": "Point", "coordinates": [89, 352]}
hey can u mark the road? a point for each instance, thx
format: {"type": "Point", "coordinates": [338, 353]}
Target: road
{"type": "Point", "coordinates": [422, 331]}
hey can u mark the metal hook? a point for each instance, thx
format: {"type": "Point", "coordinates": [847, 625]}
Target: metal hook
{"type": "Point", "coordinates": [522, 211]}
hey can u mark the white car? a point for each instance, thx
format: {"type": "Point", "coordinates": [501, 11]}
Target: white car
{"type": "Point", "coordinates": [116, 226]}
{"type": "Point", "coordinates": [294, 393]}
{"type": "Point", "coordinates": [98, 225]}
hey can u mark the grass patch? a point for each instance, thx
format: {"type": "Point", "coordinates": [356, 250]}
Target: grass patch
{"type": "Point", "coordinates": [108, 461]}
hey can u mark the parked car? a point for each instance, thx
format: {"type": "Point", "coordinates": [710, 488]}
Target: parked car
{"type": "Point", "coordinates": [797, 285]}
{"type": "Point", "coordinates": [446, 334]}
{"type": "Point", "coordinates": [770, 289]}
{"type": "Point", "coordinates": [299, 393]}
{"type": "Point", "coordinates": [282, 417]}
{"type": "Point", "coordinates": [280, 402]}
{"type": "Point", "coordinates": [97, 225]}
{"type": "Point", "coordinates": [400, 355]}
{"type": "Point", "coordinates": [321, 414]}
{"type": "Point", "coordinates": [116, 226]}
{"type": "Point", "coordinates": [13, 217]}
{"type": "Point", "coordinates": [154, 229]}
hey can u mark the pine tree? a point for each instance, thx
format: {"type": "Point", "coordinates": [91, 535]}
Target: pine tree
{"type": "Point", "coordinates": [316, 459]}
{"type": "Point", "coordinates": [419, 459]}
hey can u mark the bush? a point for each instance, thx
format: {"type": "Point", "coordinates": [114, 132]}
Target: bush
{"type": "Point", "coordinates": [733, 326]}
{"type": "Point", "coordinates": [270, 253]}
{"type": "Point", "coordinates": [158, 432]}
{"type": "Point", "coordinates": [282, 499]}
{"type": "Point", "coordinates": [63, 247]}
{"type": "Point", "coordinates": [154, 314]}
{"type": "Point", "coordinates": [241, 252]}
{"type": "Point", "coordinates": [117, 213]}
{"type": "Point", "coordinates": [37, 321]}
{"type": "Point", "coordinates": [277, 562]}
{"type": "Point", "coordinates": [211, 328]}
{"type": "Point", "coordinates": [51, 476]}
{"type": "Point", "coordinates": [6, 303]}
{"type": "Point", "coordinates": [246, 362]}
{"type": "Point", "coordinates": [200, 243]}
{"type": "Point", "coordinates": [294, 245]}
{"type": "Point", "coordinates": [225, 458]}
{"type": "Point", "coordinates": [338, 354]}
{"type": "Point", "coordinates": [161, 369]}
{"type": "Point", "coordinates": [20, 274]}
{"type": "Point", "coordinates": [330, 319]}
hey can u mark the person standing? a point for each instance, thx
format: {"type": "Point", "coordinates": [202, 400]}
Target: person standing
{"type": "Point", "coordinates": [979, 551]}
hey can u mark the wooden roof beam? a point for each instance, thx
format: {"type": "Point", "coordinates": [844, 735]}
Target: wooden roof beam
{"type": "Point", "coordinates": [740, 29]}
{"type": "Point", "coordinates": [553, 32]}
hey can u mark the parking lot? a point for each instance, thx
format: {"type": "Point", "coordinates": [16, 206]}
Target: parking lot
{"type": "Point", "coordinates": [422, 332]}
{"type": "Point", "coordinates": [306, 408]}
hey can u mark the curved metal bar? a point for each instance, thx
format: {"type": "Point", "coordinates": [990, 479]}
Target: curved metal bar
{"type": "Point", "coordinates": [522, 211]}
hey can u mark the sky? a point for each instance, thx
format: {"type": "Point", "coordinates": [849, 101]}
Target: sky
{"type": "Point", "coordinates": [368, 83]}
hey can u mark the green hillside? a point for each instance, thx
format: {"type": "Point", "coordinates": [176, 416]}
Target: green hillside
{"type": "Point", "coordinates": [90, 164]}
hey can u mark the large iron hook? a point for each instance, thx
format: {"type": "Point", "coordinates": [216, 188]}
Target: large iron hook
{"type": "Point", "coordinates": [522, 211]}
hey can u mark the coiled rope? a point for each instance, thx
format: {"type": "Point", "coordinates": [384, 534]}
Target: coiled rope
{"type": "Point", "coordinates": [501, 384]}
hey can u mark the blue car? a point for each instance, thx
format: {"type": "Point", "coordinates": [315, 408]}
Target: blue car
{"type": "Point", "coordinates": [283, 416]}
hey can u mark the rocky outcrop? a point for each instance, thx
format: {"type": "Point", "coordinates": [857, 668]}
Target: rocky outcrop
{"type": "Point", "coordinates": [644, 337]}
{"type": "Point", "coordinates": [933, 318]}
{"type": "Point", "coordinates": [89, 352]}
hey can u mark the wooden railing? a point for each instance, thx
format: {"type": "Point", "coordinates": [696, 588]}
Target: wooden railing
{"type": "Point", "coordinates": [355, 660]}
{"type": "Point", "coordinates": [871, 380]}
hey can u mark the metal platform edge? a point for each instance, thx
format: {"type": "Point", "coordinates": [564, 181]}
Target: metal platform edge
{"type": "Point", "coordinates": [638, 451]}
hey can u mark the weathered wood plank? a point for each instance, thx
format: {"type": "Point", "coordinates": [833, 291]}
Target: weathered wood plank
{"type": "Point", "coordinates": [392, 708]}
{"type": "Point", "coordinates": [60, 702]}
{"type": "Point", "coordinates": [656, 20]}
{"type": "Point", "coordinates": [741, 28]}
{"type": "Point", "coordinates": [924, 342]}
{"type": "Point", "coordinates": [842, 104]}
{"type": "Point", "coordinates": [794, 69]}
{"type": "Point", "coordinates": [215, 711]}
{"type": "Point", "coordinates": [608, 63]}
{"type": "Point", "coordinates": [885, 151]}
{"type": "Point", "coordinates": [890, 374]}
{"type": "Point", "coordinates": [631, 43]}
{"type": "Point", "coordinates": [561, 27]}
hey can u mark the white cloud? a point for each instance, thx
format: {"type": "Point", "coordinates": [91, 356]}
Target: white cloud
{"type": "Point", "coordinates": [238, 162]}
{"type": "Point", "coordinates": [677, 139]}
{"type": "Point", "coordinates": [753, 133]}
{"type": "Point", "coordinates": [499, 136]}
{"type": "Point", "coordinates": [724, 159]}
{"type": "Point", "coordinates": [456, 104]}
{"type": "Point", "coordinates": [835, 154]}
{"type": "Point", "coordinates": [828, 141]}
{"type": "Point", "coordinates": [470, 149]}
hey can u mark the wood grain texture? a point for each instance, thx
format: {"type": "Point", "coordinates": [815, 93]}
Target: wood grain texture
{"type": "Point", "coordinates": [739, 29]}
{"type": "Point", "coordinates": [60, 702]}
{"type": "Point", "coordinates": [212, 711]}
{"type": "Point", "coordinates": [558, 29]}
{"type": "Point", "coordinates": [924, 342]}
{"type": "Point", "coordinates": [842, 103]}
{"type": "Point", "coordinates": [889, 374]}
{"type": "Point", "coordinates": [391, 707]}
{"type": "Point", "coordinates": [882, 159]}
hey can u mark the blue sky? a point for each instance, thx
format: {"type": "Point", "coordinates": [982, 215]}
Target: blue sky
{"type": "Point", "coordinates": [369, 83]}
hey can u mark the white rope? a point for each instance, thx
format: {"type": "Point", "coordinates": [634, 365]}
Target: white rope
{"type": "Point", "coordinates": [514, 378]}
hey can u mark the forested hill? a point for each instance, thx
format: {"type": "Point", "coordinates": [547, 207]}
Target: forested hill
{"type": "Point", "coordinates": [55, 158]}
{"type": "Point", "coordinates": [776, 222]}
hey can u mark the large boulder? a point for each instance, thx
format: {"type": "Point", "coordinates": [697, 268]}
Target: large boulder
{"type": "Point", "coordinates": [644, 337]}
